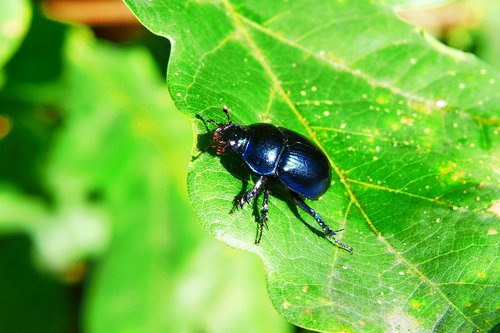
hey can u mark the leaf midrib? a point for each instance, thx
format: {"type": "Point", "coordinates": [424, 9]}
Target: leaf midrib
{"type": "Point", "coordinates": [260, 57]}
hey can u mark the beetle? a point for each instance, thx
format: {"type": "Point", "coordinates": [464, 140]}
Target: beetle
{"type": "Point", "coordinates": [276, 154]}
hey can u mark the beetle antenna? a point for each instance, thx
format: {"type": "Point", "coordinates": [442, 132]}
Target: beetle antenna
{"type": "Point", "coordinates": [226, 111]}
{"type": "Point", "coordinates": [211, 121]}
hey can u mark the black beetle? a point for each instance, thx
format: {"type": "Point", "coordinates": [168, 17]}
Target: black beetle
{"type": "Point", "coordinates": [276, 153]}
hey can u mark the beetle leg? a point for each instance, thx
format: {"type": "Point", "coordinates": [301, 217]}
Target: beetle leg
{"type": "Point", "coordinates": [263, 216]}
{"type": "Point", "coordinates": [329, 232]}
{"type": "Point", "coordinates": [265, 206]}
{"type": "Point", "coordinates": [256, 189]}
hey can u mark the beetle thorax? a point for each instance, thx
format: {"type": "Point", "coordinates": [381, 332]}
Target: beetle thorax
{"type": "Point", "coordinates": [230, 136]}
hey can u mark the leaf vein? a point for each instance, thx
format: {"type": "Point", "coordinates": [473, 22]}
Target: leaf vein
{"type": "Point", "coordinates": [259, 55]}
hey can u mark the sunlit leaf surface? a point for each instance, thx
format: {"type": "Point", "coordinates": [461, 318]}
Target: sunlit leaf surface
{"type": "Point", "coordinates": [410, 128]}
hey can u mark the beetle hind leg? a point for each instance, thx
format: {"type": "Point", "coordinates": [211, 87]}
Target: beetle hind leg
{"type": "Point", "coordinates": [263, 216]}
{"type": "Point", "coordinates": [326, 229]}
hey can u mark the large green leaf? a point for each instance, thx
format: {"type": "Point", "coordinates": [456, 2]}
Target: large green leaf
{"type": "Point", "coordinates": [409, 126]}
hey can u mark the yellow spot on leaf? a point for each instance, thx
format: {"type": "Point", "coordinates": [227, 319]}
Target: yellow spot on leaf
{"type": "Point", "coordinates": [286, 304]}
{"type": "Point", "coordinates": [415, 303]}
{"type": "Point", "coordinates": [305, 288]}
{"type": "Point", "coordinates": [480, 274]}
{"type": "Point", "coordinates": [423, 108]}
{"type": "Point", "coordinates": [381, 100]}
{"type": "Point", "coordinates": [492, 231]}
{"type": "Point", "coordinates": [326, 301]}
{"type": "Point", "coordinates": [447, 168]}
{"type": "Point", "coordinates": [407, 121]}
{"type": "Point", "coordinates": [459, 177]}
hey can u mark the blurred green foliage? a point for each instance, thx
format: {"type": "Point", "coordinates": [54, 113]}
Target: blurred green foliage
{"type": "Point", "coordinates": [96, 231]}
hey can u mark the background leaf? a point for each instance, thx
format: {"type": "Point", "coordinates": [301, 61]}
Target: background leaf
{"type": "Point", "coordinates": [410, 127]}
{"type": "Point", "coordinates": [93, 187]}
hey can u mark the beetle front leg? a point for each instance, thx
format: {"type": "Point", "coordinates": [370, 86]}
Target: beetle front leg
{"type": "Point", "coordinates": [256, 189]}
{"type": "Point", "coordinates": [329, 232]}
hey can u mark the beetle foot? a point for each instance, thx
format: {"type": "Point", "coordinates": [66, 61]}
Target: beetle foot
{"type": "Point", "coordinates": [262, 224]}
{"type": "Point", "coordinates": [240, 202]}
{"type": "Point", "coordinates": [244, 200]}
{"type": "Point", "coordinates": [342, 245]}
{"type": "Point", "coordinates": [237, 204]}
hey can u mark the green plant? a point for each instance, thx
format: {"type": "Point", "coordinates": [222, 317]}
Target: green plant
{"type": "Point", "coordinates": [410, 127]}
{"type": "Point", "coordinates": [97, 232]}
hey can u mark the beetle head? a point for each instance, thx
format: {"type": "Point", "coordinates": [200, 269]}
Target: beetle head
{"type": "Point", "coordinates": [229, 136]}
